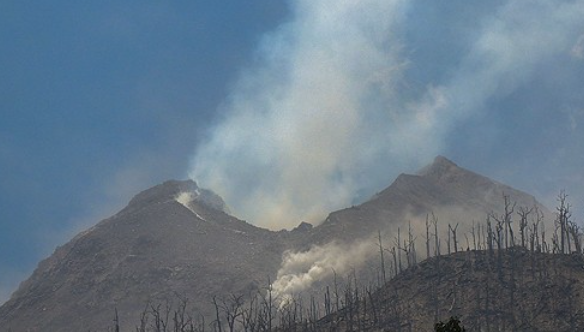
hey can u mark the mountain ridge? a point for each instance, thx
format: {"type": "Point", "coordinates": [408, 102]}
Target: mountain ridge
{"type": "Point", "coordinates": [160, 245]}
{"type": "Point", "coordinates": [431, 190]}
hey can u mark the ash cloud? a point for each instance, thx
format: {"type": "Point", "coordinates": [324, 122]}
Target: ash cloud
{"type": "Point", "coordinates": [321, 118]}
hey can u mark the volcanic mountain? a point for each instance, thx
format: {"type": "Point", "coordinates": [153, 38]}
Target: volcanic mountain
{"type": "Point", "coordinates": [178, 240]}
{"type": "Point", "coordinates": [453, 194]}
{"type": "Point", "coordinates": [172, 238]}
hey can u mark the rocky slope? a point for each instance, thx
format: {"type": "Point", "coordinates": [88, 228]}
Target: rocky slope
{"type": "Point", "coordinates": [157, 246]}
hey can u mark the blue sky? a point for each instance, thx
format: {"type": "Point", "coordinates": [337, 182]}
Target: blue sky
{"type": "Point", "coordinates": [268, 101]}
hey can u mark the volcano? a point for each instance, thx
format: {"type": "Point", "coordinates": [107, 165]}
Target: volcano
{"type": "Point", "coordinates": [176, 240]}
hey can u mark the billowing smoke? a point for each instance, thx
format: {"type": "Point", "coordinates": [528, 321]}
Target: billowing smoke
{"type": "Point", "coordinates": [316, 116]}
{"type": "Point", "coordinates": [300, 270]}
{"type": "Point", "coordinates": [320, 118]}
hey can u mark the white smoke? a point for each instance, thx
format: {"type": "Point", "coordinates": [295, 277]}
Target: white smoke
{"type": "Point", "coordinates": [185, 198]}
{"type": "Point", "coordinates": [300, 270]}
{"type": "Point", "coordinates": [318, 119]}
{"type": "Point", "coordinates": [299, 127]}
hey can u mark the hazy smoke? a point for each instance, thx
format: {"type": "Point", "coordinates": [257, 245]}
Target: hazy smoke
{"type": "Point", "coordinates": [318, 119]}
{"type": "Point", "coordinates": [185, 198]}
{"type": "Point", "coordinates": [299, 270]}
{"type": "Point", "coordinates": [512, 45]}
{"type": "Point", "coordinates": [298, 137]}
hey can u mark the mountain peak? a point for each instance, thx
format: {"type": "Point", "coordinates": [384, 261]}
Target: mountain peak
{"type": "Point", "coordinates": [163, 192]}
{"type": "Point", "coordinates": [171, 189]}
{"type": "Point", "coordinates": [440, 166]}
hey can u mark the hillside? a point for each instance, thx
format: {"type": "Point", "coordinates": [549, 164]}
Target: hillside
{"type": "Point", "coordinates": [508, 290]}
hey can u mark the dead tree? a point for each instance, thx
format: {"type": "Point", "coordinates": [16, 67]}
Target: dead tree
{"type": "Point", "coordinates": [266, 313]}
{"type": "Point", "coordinates": [504, 228]}
{"type": "Point", "coordinates": [454, 240]}
{"type": "Point", "coordinates": [232, 310]}
{"type": "Point", "coordinates": [427, 236]}
{"type": "Point", "coordinates": [473, 234]}
{"type": "Point", "coordinates": [574, 231]}
{"type": "Point", "coordinates": [412, 245]}
{"type": "Point", "coordinates": [563, 219]}
{"type": "Point", "coordinates": [381, 258]}
{"type": "Point", "coordinates": [181, 319]}
{"type": "Point", "coordinates": [336, 284]}
{"type": "Point", "coordinates": [373, 306]}
{"type": "Point", "coordinates": [143, 319]}
{"type": "Point", "coordinates": [523, 223]}
{"type": "Point", "coordinates": [160, 322]}
{"type": "Point", "coordinates": [327, 301]}
{"type": "Point", "coordinates": [395, 263]}
{"type": "Point", "coordinates": [116, 321]}
{"type": "Point", "coordinates": [436, 239]}
{"type": "Point", "coordinates": [490, 236]}
{"type": "Point", "coordinates": [448, 240]}
{"type": "Point", "coordinates": [217, 321]}
{"type": "Point", "coordinates": [509, 209]}
{"type": "Point", "coordinates": [398, 244]}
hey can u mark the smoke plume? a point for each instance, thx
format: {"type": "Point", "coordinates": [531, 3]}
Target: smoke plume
{"type": "Point", "coordinates": [299, 270]}
{"type": "Point", "coordinates": [300, 128]}
{"type": "Point", "coordinates": [321, 118]}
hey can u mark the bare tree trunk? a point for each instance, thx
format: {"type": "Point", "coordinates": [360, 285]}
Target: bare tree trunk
{"type": "Point", "coordinates": [524, 216]}
{"type": "Point", "coordinates": [116, 321]}
{"type": "Point", "coordinates": [455, 242]}
{"type": "Point", "coordinates": [427, 236]}
{"type": "Point", "coordinates": [436, 239]}
{"type": "Point", "coordinates": [489, 236]}
{"type": "Point", "coordinates": [474, 239]}
{"type": "Point", "coordinates": [382, 258]}
{"type": "Point", "coordinates": [398, 243]}
{"type": "Point", "coordinates": [217, 315]}
{"type": "Point", "coordinates": [412, 244]}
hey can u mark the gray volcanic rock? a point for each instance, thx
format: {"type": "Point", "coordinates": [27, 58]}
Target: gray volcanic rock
{"type": "Point", "coordinates": [152, 249]}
